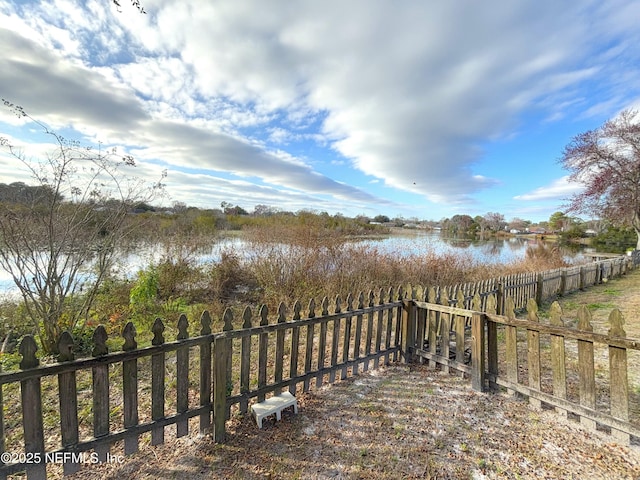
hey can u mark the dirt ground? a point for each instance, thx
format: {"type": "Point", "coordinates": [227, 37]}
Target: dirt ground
{"type": "Point", "coordinates": [404, 422]}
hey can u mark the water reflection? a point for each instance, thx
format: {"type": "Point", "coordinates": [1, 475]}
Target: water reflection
{"type": "Point", "coordinates": [489, 251]}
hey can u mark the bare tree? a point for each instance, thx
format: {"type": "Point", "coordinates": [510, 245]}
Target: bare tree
{"type": "Point", "coordinates": [60, 241]}
{"type": "Point", "coordinates": [607, 162]}
{"type": "Point", "coordinates": [495, 221]}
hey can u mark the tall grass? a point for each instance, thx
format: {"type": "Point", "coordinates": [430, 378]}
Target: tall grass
{"type": "Point", "coordinates": [303, 263]}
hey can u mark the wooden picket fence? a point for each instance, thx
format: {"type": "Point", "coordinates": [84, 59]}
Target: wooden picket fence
{"type": "Point", "coordinates": [550, 363]}
{"type": "Point", "coordinates": [118, 396]}
{"type": "Point", "coordinates": [221, 370]}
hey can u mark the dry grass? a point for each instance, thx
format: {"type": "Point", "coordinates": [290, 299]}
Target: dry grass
{"type": "Point", "coordinates": [311, 265]}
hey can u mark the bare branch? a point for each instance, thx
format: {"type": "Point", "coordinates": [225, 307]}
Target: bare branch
{"type": "Point", "coordinates": [59, 237]}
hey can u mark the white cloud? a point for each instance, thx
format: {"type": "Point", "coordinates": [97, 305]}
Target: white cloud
{"type": "Point", "coordinates": [405, 93]}
{"type": "Point", "coordinates": [559, 189]}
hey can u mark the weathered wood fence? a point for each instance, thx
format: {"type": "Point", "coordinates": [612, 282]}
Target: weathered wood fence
{"type": "Point", "coordinates": [571, 369]}
{"type": "Point", "coordinates": [118, 396]}
{"type": "Point", "coordinates": [211, 373]}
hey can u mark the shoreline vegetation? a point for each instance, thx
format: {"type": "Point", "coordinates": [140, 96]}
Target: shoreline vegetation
{"type": "Point", "coordinates": [285, 262]}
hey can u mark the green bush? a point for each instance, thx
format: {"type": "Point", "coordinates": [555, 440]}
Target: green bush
{"type": "Point", "coordinates": [615, 239]}
{"type": "Point", "coordinates": [145, 290]}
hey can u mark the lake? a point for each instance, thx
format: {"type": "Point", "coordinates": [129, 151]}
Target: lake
{"type": "Point", "coordinates": [489, 251]}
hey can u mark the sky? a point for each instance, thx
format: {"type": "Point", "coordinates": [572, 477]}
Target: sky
{"type": "Point", "coordinates": [409, 108]}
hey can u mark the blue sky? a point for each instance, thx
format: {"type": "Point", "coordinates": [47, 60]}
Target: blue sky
{"type": "Point", "coordinates": [412, 108]}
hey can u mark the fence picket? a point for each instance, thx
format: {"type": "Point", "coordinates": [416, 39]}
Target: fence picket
{"type": "Point", "coordinates": [459, 327]}
{"type": "Point", "coordinates": [433, 328]}
{"type": "Point", "coordinates": [586, 368]}
{"type": "Point", "coordinates": [68, 400]}
{"type": "Point", "coordinates": [335, 339]}
{"type": "Point", "coordinates": [262, 352]}
{"type": "Point", "coordinates": [322, 343]}
{"type": "Point", "coordinates": [308, 356]}
{"type": "Point", "coordinates": [369, 337]}
{"type": "Point", "coordinates": [511, 345]}
{"type": "Point", "coordinates": [295, 348]}
{"type": "Point", "coordinates": [378, 338]}
{"type": "Point", "coordinates": [533, 352]}
{"type": "Point", "coordinates": [445, 322]}
{"type": "Point", "coordinates": [227, 318]}
{"type": "Point", "coordinates": [358, 337]}
{"type": "Point", "coordinates": [157, 382]}
{"type": "Point", "coordinates": [279, 360]}
{"type": "Point", "coordinates": [182, 377]}
{"type": "Point", "coordinates": [100, 384]}
{"type": "Point", "coordinates": [245, 360]}
{"type": "Point", "coordinates": [619, 403]}
{"type": "Point", "coordinates": [31, 396]}
{"type": "Point", "coordinates": [492, 337]}
{"type": "Point", "coordinates": [130, 388]}
{"type": "Point", "coordinates": [346, 345]}
{"type": "Point", "coordinates": [205, 373]}
{"type": "Point", "coordinates": [558, 363]}
{"type": "Point", "coordinates": [387, 340]}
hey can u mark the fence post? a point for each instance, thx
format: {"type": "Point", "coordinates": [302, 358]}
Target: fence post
{"type": "Point", "coordinates": [539, 289]}
{"type": "Point", "coordinates": [477, 351]}
{"type": "Point", "coordinates": [563, 282]}
{"type": "Point", "coordinates": [408, 331]}
{"type": "Point", "coordinates": [32, 409]}
{"type": "Point", "coordinates": [500, 299]}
